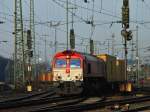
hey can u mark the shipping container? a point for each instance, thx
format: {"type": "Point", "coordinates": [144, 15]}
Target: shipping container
{"type": "Point", "coordinates": [120, 70]}
{"type": "Point", "coordinates": [48, 77]}
{"type": "Point", "coordinates": [110, 66]}
{"type": "Point", "coordinates": [42, 77]}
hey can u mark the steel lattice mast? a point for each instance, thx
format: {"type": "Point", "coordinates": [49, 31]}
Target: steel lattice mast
{"type": "Point", "coordinates": [19, 62]}
{"type": "Point", "coordinates": [32, 28]}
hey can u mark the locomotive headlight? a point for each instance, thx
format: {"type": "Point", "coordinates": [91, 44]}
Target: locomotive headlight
{"type": "Point", "coordinates": [67, 56]}
{"type": "Point", "coordinates": [76, 77]}
{"type": "Point", "coordinates": [59, 77]}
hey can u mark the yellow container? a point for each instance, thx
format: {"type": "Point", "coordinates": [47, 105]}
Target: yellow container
{"type": "Point", "coordinates": [29, 88]}
{"type": "Point", "coordinates": [128, 87]}
{"type": "Point", "coordinates": [110, 66]}
{"type": "Point", "coordinates": [50, 76]}
{"type": "Point", "coordinates": [42, 77]}
{"type": "Point", "coordinates": [120, 70]}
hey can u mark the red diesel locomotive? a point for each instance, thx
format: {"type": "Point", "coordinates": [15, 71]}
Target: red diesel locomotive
{"type": "Point", "coordinates": [75, 73]}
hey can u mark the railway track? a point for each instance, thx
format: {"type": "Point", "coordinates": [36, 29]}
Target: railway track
{"type": "Point", "coordinates": [61, 104]}
{"type": "Point", "coordinates": [35, 103]}
{"type": "Point", "coordinates": [28, 96]}
{"type": "Point", "coordinates": [49, 103]}
{"type": "Point", "coordinates": [79, 106]}
{"type": "Point", "coordinates": [26, 100]}
{"type": "Point", "coordinates": [138, 109]}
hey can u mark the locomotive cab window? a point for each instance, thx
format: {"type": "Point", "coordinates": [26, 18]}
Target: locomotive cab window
{"type": "Point", "coordinates": [60, 63]}
{"type": "Point", "coordinates": [75, 63]}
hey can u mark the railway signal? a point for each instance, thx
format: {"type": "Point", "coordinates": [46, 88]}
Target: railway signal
{"type": "Point", "coordinates": [30, 53]}
{"type": "Point", "coordinates": [91, 46]}
{"type": "Point", "coordinates": [72, 39]}
{"type": "Point", "coordinates": [2, 22]}
{"type": "Point", "coordinates": [85, 1]}
{"type": "Point", "coordinates": [127, 34]}
{"type": "Point", "coordinates": [29, 39]}
{"type": "Point", "coordinates": [125, 14]}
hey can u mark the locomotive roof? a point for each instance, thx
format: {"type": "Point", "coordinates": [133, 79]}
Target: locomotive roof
{"type": "Point", "coordinates": [80, 54]}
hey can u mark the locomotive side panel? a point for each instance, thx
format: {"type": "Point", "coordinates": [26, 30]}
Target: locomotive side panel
{"type": "Point", "coordinates": [94, 67]}
{"type": "Point", "coordinates": [94, 72]}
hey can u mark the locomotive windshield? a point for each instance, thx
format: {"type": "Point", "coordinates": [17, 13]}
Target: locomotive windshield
{"type": "Point", "coordinates": [60, 63]}
{"type": "Point", "coordinates": [75, 63]}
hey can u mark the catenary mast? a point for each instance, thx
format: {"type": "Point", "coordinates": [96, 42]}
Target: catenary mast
{"type": "Point", "coordinates": [19, 62]}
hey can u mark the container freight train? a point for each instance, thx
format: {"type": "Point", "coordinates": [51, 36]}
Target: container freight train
{"type": "Point", "coordinates": [76, 73]}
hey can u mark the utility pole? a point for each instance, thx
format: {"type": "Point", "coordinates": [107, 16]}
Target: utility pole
{"type": "Point", "coordinates": [38, 61]}
{"type": "Point", "coordinates": [126, 34]}
{"type": "Point", "coordinates": [32, 29]}
{"type": "Point", "coordinates": [108, 46]}
{"type": "Point", "coordinates": [91, 46]}
{"type": "Point", "coordinates": [45, 51]}
{"type": "Point", "coordinates": [19, 62]}
{"type": "Point", "coordinates": [67, 24]}
{"type": "Point", "coordinates": [55, 40]}
{"type": "Point", "coordinates": [137, 57]}
{"type": "Point", "coordinates": [132, 58]}
{"type": "Point", "coordinates": [113, 44]}
{"type": "Point", "coordinates": [92, 29]}
{"type": "Point", "coordinates": [55, 27]}
{"type": "Point", "coordinates": [126, 60]}
{"type": "Point", "coordinates": [72, 34]}
{"type": "Point", "coordinates": [30, 54]}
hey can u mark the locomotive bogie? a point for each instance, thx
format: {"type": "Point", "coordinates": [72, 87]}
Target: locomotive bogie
{"type": "Point", "coordinates": [95, 86]}
{"type": "Point", "coordinates": [69, 88]}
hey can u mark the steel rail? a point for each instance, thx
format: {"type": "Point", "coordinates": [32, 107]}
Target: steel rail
{"type": "Point", "coordinates": [100, 104]}
{"type": "Point", "coordinates": [25, 100]}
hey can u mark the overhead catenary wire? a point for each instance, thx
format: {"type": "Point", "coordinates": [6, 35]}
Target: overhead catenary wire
{"type": "Point", "coordinates": [96, 11]}
{"type": "Point", "coordinates": [61, 5]}
{"type": "Point", "coordinates": [92, 20]}
{"type": "Point", "coordinates": [95, 24]}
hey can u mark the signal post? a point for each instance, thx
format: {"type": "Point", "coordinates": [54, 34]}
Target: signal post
{"type": "Point", "coordinates": [127, 34]}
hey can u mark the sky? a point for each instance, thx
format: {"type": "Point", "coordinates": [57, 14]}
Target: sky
{"type": "Point", "coordinates": [105, 14]}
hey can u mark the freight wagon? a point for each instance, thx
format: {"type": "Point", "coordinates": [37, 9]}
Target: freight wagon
{"type": "Point", "coordinates": [115, 72]}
